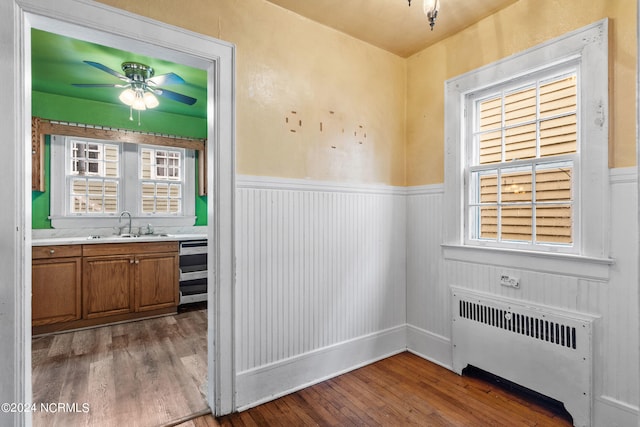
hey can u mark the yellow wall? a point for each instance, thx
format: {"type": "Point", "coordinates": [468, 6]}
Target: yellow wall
{"type": "Point", "coordinates": [516, 28]}
{"type": "Point", "coordinates": [287, 63]}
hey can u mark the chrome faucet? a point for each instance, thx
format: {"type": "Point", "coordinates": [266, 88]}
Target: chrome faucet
{"type": "Point", "coordinates": [120, 221]}
{"type": "Point", "coordinates": [149, 229]}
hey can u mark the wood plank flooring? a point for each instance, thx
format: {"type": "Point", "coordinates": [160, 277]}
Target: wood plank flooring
{"type": "Point", "coordinates": [153, 373]}
{"type": "Point", "coordinates": [140, 374]}
{"type": "Point", "coordinates": [402, 390]}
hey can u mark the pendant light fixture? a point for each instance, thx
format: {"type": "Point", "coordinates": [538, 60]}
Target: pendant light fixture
{"type": "Point", "coordinates": [431, 8]}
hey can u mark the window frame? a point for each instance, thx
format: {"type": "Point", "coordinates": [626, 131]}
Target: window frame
{"type": "Point", "coordinates": [129, 188]}
{"type": "Point", "coordinates": [154, 179]}
{"type": "Point", "coordinates": [101, 175]}
{"type": "Point", "coordinates": [471, 152]}
{"type": "Point", "coordinates": [588, 48]}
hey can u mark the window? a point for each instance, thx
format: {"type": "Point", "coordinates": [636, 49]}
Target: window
{"type": "Point", "coordinates": [523, 162]}
{"type": "Point", "coordinates": [526, 163]}
{"type": "Point", "coordinates": [160, 181]}
{"type": "Point", "coordinates": [93, 181]}
{"type": "Point", "coordinates": [92, 177]}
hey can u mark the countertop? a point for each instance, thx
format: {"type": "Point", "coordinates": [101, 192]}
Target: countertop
{"type": "Point", "coordinates": [92, 240]}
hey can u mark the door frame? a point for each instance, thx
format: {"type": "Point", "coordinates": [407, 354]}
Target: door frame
{"type": "Point", "coordinates": [114, 27]}
{"type": "Point", "coordinates": [638, 147]}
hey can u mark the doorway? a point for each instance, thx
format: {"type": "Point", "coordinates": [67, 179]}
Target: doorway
{"type": "Point", "coordinates": [101, 24]}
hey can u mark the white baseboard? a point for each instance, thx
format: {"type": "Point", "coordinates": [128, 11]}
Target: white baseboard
{"type": "Point", "coordinates": [610, 412]}
{"type": "Point", "coordinates": [269, 382]}
{"type": "Point", "coordinates": [435, 348]}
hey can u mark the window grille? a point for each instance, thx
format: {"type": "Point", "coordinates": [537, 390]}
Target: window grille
{"type": "Point", "coordinates": [524, 162]}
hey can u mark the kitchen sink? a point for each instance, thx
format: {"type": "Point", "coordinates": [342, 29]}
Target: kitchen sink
{"type": "Point", "coordinates": [127, 236]}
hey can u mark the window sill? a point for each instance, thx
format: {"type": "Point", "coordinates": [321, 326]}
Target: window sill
{"type": "Point", "coordinates": [545, 262]}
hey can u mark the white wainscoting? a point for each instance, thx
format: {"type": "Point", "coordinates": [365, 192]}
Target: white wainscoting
{"type": "Point", "coordinates": [429, 275]}
{"type": "Point", "coordinates": [331, 277]}
{"type": "Point", "coordinates": [321, 281]}
{"type": "Point", "coordinates": [429, 330]}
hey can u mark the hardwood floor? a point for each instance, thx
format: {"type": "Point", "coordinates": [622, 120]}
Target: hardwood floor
{"type": "Point", "coordinates": [401, 390]}
{"type": "Point", "coordinates": [153, 373]}
{"type": "Point", "coordinates": [146, 373]}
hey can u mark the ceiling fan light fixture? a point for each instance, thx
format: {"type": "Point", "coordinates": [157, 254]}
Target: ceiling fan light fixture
{"type": "Point", "coordinates": [140, 86]}
{"type": "Point", "coordinates": [138, 103]}
{"type": "Point", "coordinates": [431, 8]}
{"type": "Point", "coordinates": [127, 96]}
{"type": "Point", "coordinates": [150, 100]}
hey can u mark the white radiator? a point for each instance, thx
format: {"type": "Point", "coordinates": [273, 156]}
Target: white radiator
{"type": "Point", "coordinates": [540, 348]}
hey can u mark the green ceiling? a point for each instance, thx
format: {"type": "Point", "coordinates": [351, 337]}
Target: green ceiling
{"type": "Point", "coordinates": [57, 62]}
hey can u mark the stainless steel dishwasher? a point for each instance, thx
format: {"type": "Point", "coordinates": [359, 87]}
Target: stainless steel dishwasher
{"type": "Point", "coordinates": [193, 271]}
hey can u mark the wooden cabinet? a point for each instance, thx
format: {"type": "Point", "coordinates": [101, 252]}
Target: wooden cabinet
{"type": "Point", "coordinates": [107, 283]}
{"type": "Point", "coordinates": [86, 285]}
{"type": "Point", "coordinates": [156, 281]}
{"type": "Point", "coordinates": [55, 284]}
{"type": "Point", "coordinates": [122, 278]}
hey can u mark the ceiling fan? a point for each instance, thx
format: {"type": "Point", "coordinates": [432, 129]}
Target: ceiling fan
{"type": "Point", "coordinates": [140, 86]}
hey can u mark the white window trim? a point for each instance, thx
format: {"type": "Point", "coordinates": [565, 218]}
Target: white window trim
{"type": "Point", "coordinates": [128, 200]}
{"type": "Point", "coordinates": [588, 47]}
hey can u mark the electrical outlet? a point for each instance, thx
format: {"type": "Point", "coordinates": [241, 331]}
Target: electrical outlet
{"type": "Point", "coordinates": [510, 281]}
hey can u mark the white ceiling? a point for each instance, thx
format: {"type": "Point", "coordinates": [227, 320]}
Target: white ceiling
{"type": "Point", "coordinates": [391, 24]}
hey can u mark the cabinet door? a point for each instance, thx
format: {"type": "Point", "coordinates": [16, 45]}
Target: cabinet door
{"type": "Point", "coordinates": [107, 286]}
{"type": "Point", "coordinates": [157, 281]}
{"type": "Point", "coordinates": [55, 285]}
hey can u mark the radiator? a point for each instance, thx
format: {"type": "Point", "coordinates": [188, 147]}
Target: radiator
{"type": "Point", "coordinates": [538, 347]}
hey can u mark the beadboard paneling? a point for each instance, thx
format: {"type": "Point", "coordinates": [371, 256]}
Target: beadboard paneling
{"type": "Point", "coordinates": [424, 262]}
{"type": "Point", "coordinates": [316, 266]}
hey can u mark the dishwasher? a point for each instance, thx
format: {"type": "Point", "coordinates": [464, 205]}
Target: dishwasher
{"type": "Point", "coordinates": [193, 271]}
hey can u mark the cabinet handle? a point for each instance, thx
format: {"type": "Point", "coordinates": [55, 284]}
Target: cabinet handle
{"type": "Point", "coordinates": [137, 262]}
{"type": "Point", "coordinates": [52, 251]}
{"type": "Point", "coordinates": [130, 261]}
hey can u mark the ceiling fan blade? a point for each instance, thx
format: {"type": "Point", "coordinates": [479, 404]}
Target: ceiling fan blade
{"type": "Point", "coordinates": [166, 79]}
{"type": "Point", "coordinates": [106, 69]}
{"type": "Point", "coordinates": [175, 96]}
{"type": "Point", "coordinates": [96, 85]}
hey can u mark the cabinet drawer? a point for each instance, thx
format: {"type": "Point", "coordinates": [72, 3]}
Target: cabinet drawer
{"type": "Point", "coordinates": [103, 249]}
{"type": "Point", "coordinates": [60, 251]}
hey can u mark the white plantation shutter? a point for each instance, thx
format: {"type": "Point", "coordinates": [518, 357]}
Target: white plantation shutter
{"type": "Point", "coordinates": [111, 161]}
{"type": "Point", "coordinates": [145, 163]}
{"type": "Point", "coordinates": [521, 179]}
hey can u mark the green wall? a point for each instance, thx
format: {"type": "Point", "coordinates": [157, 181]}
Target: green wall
{"type": "Point", "coordinates": [40, 201]}
{"type": "Point", "coordinates": [201, 201]}
{"type": "Point", "coordinates": [56, 107]}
